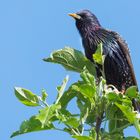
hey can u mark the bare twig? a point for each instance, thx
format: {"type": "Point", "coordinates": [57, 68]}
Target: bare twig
{"type": "Point", "coordinates": [98, 125]}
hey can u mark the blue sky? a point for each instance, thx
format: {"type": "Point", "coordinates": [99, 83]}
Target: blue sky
{"type": "Point", "coordinates": [30, 30]}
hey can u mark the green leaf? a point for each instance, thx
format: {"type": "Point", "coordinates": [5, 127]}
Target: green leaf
{"type": "Point", "coordinates": [31, 125]}
{"type": "Point", "coordinates": [73, 122]}
{"type": "Point", "coordinates": [63, 115]}
{"type": "Point", "coordinates": [44, 95]}
{"type": "Point", "coordinates": [127, 102]}
{"type": "Point", "coordinates": [71, 59]}
{"type": "Point", "coordinates": [67, 97]}
{"type": "Point", "coordinates": [127, 112]}
{"type": "Point", "coordinates": [91, 118]}
{"type": "Point", "coordinates": [111, 111]}
{"type": "Point", "coordinates": [84, 110]}
{"type": "Point", "coordinates": [132, 92]}
{"type": "Point", "coordinates": [47, 113]}
{"type": "Point", "coordinates": [112, 96]}
{"type": "Point", "coordinates": [98, 55]}
{"type": "Point", "coordinates": [118, 123]}
{"type": "Point", "coordinates": [87, 77]}
{"type": "Point", "coordinates": [87, 90]}
{"type": "Point", "coordinates": [137, 125]}
{"type": "Point", "coordinates": [82, 137]}
{"type": "Point", "coordinates": [100, 89]}
{"type": "Point", "coordinates": [93, 133]}
{"type": "Point", "coordinates": [87, 86]}
{"type": "Point", "coordinates": [61, 89]}
{"type": "Point", "coordinates": [26, 97]}
{"type": "Point", "coordinates": [117, 119]}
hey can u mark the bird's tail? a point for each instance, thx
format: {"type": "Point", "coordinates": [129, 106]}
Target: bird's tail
{"type": "Point", "coordinates": [136, 105]}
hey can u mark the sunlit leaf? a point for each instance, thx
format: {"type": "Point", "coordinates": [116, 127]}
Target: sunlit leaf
{"type": "Point", "coordinates": [63, 115]}
{"type": "Point", "coordinates": [87, 90]}
{"type": "Point", "coordinates": [137, 124]}
{"type": "Point", "coordinates": [98, 55]}
{"type": "Point", "coordinates": [112, 96]}
{"type": "Point", "coordinates": [26, 97]}
{"type": "Point", "coordinates": [82, 137]}
{"type": "Point", "coordinates": [88, 78]}
{"type": "Point", "coordinates": [67, 97]}
{"type": "Point", "coordinates": [61, 89]}
{"type": "Point", "coordinates": [31, 125]}
{"type": "Point", "coordinates": [71, 59]}
{"type": "Point", "coordinates": [93, 133]}
{"type": "Point", "coordinates": [127, 112]}
{"type": "Point", "coordinates": [47, 113]}
{"type": "Point", "coordinates": [73, 122]}
{"type": "Point", "coordinates": [44, 95]}
{"type": "Point", "coordinates": [84, 110]}
{"type": "Point", "coordinates": [132, 92]}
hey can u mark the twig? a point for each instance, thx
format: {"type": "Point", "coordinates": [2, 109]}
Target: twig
{"type": "Point", "coordinates": [43, 102]}
{"type": "Point", "coordinates": [98, 125]}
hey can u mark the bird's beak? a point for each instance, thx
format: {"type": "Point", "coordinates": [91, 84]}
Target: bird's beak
{"type": "Point", "coordinates": [75, 16]}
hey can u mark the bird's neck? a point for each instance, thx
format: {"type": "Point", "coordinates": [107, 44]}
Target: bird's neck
{"type": "Point", "coordinates": [89, 30]}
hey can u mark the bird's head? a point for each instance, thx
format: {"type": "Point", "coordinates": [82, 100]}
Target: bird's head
{"type": "Point", "coordinates": [85, 19]}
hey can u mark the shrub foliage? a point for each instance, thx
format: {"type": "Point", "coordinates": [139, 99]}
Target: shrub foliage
{"type": "Point", "coordinates": [103, 114]}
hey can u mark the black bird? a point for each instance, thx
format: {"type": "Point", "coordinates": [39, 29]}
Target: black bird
{"type": "Point", "coordinates": [118, 67]}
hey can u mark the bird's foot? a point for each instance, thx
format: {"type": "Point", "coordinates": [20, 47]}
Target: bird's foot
{"type": "Point", "coordinates": [111, 88]}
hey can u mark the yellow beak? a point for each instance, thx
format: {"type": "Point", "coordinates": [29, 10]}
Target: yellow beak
{"type": "Point", "coordinates": [75, 16]}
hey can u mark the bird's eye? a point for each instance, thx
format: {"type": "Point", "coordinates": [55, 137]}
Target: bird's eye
{"type": "Point", "coordinates": [82, 16]}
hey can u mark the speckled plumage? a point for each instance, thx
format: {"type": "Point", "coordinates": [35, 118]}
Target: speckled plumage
{"type": "Point", "coordinates": [117, 65]}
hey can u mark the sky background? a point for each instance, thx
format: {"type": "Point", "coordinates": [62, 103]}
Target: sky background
{"type": "Point", "coordinates": [30, 30]}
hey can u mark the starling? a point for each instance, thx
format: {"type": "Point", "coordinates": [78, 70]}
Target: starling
{"type": "Point", "coordinates": [118, 68]}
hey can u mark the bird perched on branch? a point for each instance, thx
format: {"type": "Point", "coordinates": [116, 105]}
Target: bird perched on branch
{"type": "Point", "coordinates": [118, 67]}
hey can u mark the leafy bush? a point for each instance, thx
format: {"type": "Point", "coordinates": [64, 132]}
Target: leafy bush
{"type": "Point", "coordinates": [104, 112]}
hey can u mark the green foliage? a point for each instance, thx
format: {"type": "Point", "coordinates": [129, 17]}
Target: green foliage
{"type": "Point", "coordinates": [103, 114]}
{"type": "Point", "coordinates": [98, 57]}
{"type": "Point", "coordinates": [71, 59]}
{"type": "Point", "coordinates": [26, 97]}
{"type": "Point", "coordinates": [132, 92]}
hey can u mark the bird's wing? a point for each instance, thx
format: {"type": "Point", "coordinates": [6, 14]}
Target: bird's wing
{"type": "Point", "coordinates": [126, 52]}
